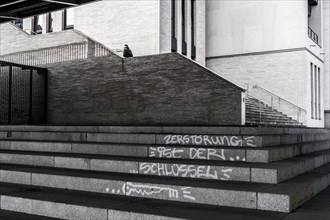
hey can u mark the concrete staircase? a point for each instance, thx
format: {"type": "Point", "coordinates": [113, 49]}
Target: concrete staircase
{"type": "Point", "coordinates": [258, 113]}
{"type": "Point", "coordinates": [109, 172]}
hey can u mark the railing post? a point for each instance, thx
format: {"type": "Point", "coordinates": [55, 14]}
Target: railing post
{"type": "Point", "coordinates": [90, 49]}
{"type": "Point", "coordinates": [272, 100]}
{"type": "Point", "coordinates": [30, 97]}
{"type": "Point", "coordinates": [46, 96]}
{"type": "Point", "coordinates": [10, 93]}
{"type": "Point", "coordinates": [259, 112]}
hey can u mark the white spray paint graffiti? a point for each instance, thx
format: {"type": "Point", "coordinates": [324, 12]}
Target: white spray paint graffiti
{"type": "Point", "coordinates": [184, 170]}
{"type": "Point", "coordinates": [135, 189]}
{"type": "Point", "coordinates": [194, 153]}
{"type": "Point", "coordinates": [207, 140]}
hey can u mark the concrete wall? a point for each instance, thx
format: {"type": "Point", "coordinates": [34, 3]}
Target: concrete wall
{"type": "Point", "coordinates": [326, 46]}
{"type": "Point", "coordinates": [15, 40]}
{"type": "Point", "coordinates": [116, 23]}
{"type": "Point", "coordinates": [144, 91]}
{"type": "Point", "coordinates": [310, 58]}
{"type": "Point", "coordinates": [201, 31]}
{"type": "Point", "coordinates": [239, 26]}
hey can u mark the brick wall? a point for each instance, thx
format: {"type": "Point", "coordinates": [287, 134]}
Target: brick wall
{"type": "Point", "coordinates": [160, 89]}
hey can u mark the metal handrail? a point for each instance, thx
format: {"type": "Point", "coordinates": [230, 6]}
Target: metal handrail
{"type": "Point", "coordinates": [274, 95]}
{"type": "Point", "coordinates": [276, 102]}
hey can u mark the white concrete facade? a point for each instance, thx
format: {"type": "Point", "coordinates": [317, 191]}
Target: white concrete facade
{"type": "Point", "coordinates": [266, 43]}
{"type": "Point", "coordinates": [326, 56]}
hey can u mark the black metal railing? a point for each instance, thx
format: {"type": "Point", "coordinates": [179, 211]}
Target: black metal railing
{"type": "Point", "coordinates": [312, 35]}
{"type": "Point", "coordinates": [23, 94]}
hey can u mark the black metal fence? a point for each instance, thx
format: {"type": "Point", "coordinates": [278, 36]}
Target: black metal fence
{"type": "Point", "coordinates": [23, 94]}
{"type": "Point", "coordinates": [312, 35]}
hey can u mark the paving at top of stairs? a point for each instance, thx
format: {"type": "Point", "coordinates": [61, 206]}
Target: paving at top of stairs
{"type": "Point", "coordinates": [283, 197]}
{"type": "Point", "coordinates": [228, 130]}
{"type": "Point", "coordinates": [214, 170]}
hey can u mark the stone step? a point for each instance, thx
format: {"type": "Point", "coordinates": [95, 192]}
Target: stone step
{"type": "Point", "coordinates": [176, 168]}
{"type": "Point", "coordinates": [272, 119]}
{"type": "Point", "coordinates": [9, 215]}
{"type": "Point", "coordinates": [64, 204]}
{"type": "Point", "coordinates": [262, 155]}
{"type": "Point", "coordinates": [272, 122]}
{"type": "Point", "coordinates": [256, 109]}
{"type": "Point", "coordinates": [224, 130]}
{"type": "Point", "coordinates": [116, 190]}
{"type": "Point", "coordinates": [168, 139]}
{"type": "Point", "coordinates": [277, 153]}
{"type": "Point", "coordinates": [132, 150]}
{"type": "Point", "coordinates": [145, 209]}
{"type": "Point", "coordinates": [268, 116]}
{"type": "Point", "coordinates": [69, 205]}
{"type": "Point", "coordinates": [263, 107]}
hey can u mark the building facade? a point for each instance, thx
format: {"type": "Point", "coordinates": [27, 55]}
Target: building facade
{"type": "Point", "coordinates": [281, 46]}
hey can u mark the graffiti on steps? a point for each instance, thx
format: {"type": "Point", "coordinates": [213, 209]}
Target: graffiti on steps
{"type": "Point", "coordinates": [194, 153]}
{"type": "Point", "coordinates": [185, 170]}
{"type": "Point", "coordinates": [145, 190]}
{"type": "Point", "coordinates": [207, 140]}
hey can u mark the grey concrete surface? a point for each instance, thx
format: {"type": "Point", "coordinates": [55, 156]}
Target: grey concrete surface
{"type": "Point", "coordinates": [9, 215]}
{"type": "Point", "coordinates": [51, 209]}
{"type": "Point", "coordinates": [77, 183]}
{"type": "Point", "coordinates": [318, 208]}
{"type": "Point", "coordinates": [15, 177]}
{"type": "Point", "coordinates": [217, 130]}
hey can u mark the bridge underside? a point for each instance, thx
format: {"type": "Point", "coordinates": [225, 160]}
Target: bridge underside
{"type": "Point", "coordinates": [16, 9]}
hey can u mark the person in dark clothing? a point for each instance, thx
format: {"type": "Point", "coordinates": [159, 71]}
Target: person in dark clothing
{"type": "Point", "coordinates": [127, 52]}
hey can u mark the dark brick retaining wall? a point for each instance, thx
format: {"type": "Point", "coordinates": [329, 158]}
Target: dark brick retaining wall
{"type": "Point", "coordinates": [162, 89]}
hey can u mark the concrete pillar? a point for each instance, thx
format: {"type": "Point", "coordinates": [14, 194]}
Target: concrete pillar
{"type": "Point", "coordinates": [165, 26]}
{"type": "Point", "coordinates": [27, 25]}
{"type": "Point", "coordinates": [57, 21]}
{"type": "Point", "coordinates": [200, 32]}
